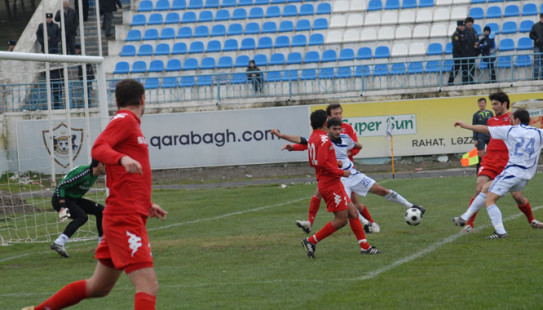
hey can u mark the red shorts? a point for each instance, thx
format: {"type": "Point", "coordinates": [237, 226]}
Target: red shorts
{"type": "Point", "coordinates": [335, 197]}
{"type": "Point", "coordinates": [125, 244]}
{"type": "Point", "coordinates": [492, 165]}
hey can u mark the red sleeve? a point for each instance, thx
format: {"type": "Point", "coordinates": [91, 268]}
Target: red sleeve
{"type": "Point", "coordinates": [350, 132]}
{"type": "Point", "coordinates": [103, 149]}
{"type": "Point", "coordinates": [325, 162]}
{"type": "Point", "coordinates": [299, 147]}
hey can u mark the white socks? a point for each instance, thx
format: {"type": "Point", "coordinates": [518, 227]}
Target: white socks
{"type": "Point", "coordinates": [62, 239]}
{"type": "Point", "coordinates": [362, 219]}
{"type": "Point", "coordinates": [397, 198]}
{"type": "Point", "coordinates": [496, 219]}
{"type": "Point", "coordinates": [477, 204]}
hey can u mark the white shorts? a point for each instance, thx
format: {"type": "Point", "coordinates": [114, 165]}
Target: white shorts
{"type": "Point", "coordinates": [505, 183]}
{"type": "Point", "coordinates": [358, 183]}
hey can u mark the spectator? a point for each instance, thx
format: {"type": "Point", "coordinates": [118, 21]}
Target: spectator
{"type": "Point", "coordinates": [107, 7]}
{"type": "Point", "coordinates": [57, 83]}
{"type": "Point", "coordinates": [254, 75]}
{"type": "Point", "coordinates": [90, 75]}
{"type": "Point", "coordinates": [488, 50]}
{"type": "Point", "coordinates": [71, 23]}
{"type": "Point", "coordinates": [53, 34]}
{"type": "Point", "coordinates": [11, 45]}
{"type": "Point", "coordinates": [472, 50]}
{"type": "Point", "coordinates": [536, 34]}
{"type": "Point", "coordinates": [459, 52]}
{"type": "Point", "coordinates": [85, 9]}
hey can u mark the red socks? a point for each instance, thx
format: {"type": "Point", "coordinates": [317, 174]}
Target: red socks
{"type": "Point", "coordinates": [366, 214]}
{"type": "Point", "coordinates": [472, 218]}
{"type": "Point", "coordinates": [527, 210]}
{"type": "Point", "coordinates": [144, 301]}
{"type": "Point", "coordinates": [358, 231]}
{"type": "Point", "coordinates": [313, 209]}
{"type": "Point", "coordinates": [69, 295]}
{"type": "Point", "coordinates": [326, 231]}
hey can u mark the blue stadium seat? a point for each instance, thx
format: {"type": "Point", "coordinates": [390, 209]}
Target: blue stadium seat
{"type": "Point", "coordinates": [252, 28]}
{"type": "Point", "coordinates": [329, 56]}
{"type": "Point", "coordinates": [213, 46]}
{"type": "Point", "coordinates": [156, 65]}
{"type": "Point", "coordinates": [218, 31]}
{"type": "Point", "coordinates": [504, 62]}
{"type": "Point", "coordinates": [415, 67]}
{"type": "Point", "coordinates": [294, 1]}
{"type": "Point", "coordinates": [261, 60]}
{"type": "Point", "coordinates": [247, 44]}
{"type": "Point", "coordinates": [151, 83]}
{"type": "Point", "coordinates": [290, 10]}
{"type": "Point", "coordinates": [509, 27]}
{"type": "Point", "coordinates": [320, 24]}
{"type": "Point", "coordinates": [121, 67]}
{"type": "Point", "coordinates": [523, 61]}
{"type": "Point", "coordinates": [448, 48]}
{"type": "Point", "coordinates": [184, 32]}
{"type": "Point", "coordinates": [476, 13]}
{"type": "Point", "coordinates": [392, 4]}
{"type": "Point", "coordinates": [128, 51]}
{"type": "Point", "coordinates": [225, 62]}
{"type": "Point", "coordinates": [179, 5]}
{"type": "Point", "coordinates": [312, 57]}
{"type": "Point", "coordinates": [316, 39]}
{"type": "Point", "coordinates": [173, 65]}
{"type": "Point", "coordinates": [382, 52]}
{"type": "Point", "coordinates": [138, 20]}
{"type": "Point", "coordinates": [294, 58]}
{"type": "Point", "coordinates": [222, 15]}
{"type": "Point", "coordinates": [256, 13]}
{"type": "Point", "coordinates": [273, 76]}
{"type": "Point", "coordinates": [375, 5]}
{"type": "Point", "coordinates": [277, 59]}
{"type": "Point", "coordinates": [273, 11]}
{"type": "Point", "coordinates": [162, 49]}
{"type": "Point", "coordinates": [201, 32]}
{"type": "Point", "coordinates": [167, 33]}
{"type": "Point", "coordinates": [344, 72]}
{"type": "Point", "coordinates": [435, 49]}
{"type": "Point", "coordinates": [324, 8]}
{"type": "Point", "coordinates": [155, 19]}
{"type": "Point", "coordinates": [529, 9]}
{"type": "Point", "coordinates": [278, 1]}
{"type": "Point", "coordinates": [190, 64]}
{"type": "Point", "coordinates": [145, 50]}
{"type": "Point", "coordinates": [235, 29]}
{"type": "Point", "coordinates": [172, 18]}
{"type": "Point", "coordinates": [506, 45]}
{"type": "Point", "coordinates": [162, 5]}
{"type": "Point", "coordinates": [269, 27]}
{"type": "Point", "coordinates": [187, 81]}
{"type": "Point", "coordinates": [262, 2]}
{"type": "Point", "coordinates": [195, 4]}
{"type": "Point", "coordinates": [133, 35]}
{"type": "Point", "coordinates": [477, 28]}
{"type": "Point", "coordinates": [380, 70]}
{"type": "Point", "coordinates": [478, 1]}
{"type": "Point", "coordinates": [139, 67]}
{"type": "Point", "coordinates": [170, 82]}
{"type": "Point", "coordinates": [299, 40]}
{"type": "Point", "coordinates": [433, 66]}
{"type": "Point", "coordinates": [286, 26]}
{"type": "Point", "coordinates": [179, 48]}
{"type": "Point", "coordinates": [326, 73]}
{"type": "Point", "coordinates": [426, 3]}
{"type": "Point", "coordinates": [238, 78]}
{"type": "Point", "coordinates": [207, 63]}
{"type": "Point", "coordinates": [230, 45]}
{"type": "Point", "coordinates": [409, 4]}
{"type": "Point", "coordinates": [307, 9]}
{"type": "Point", "coordinates": [494, 12]}
{"type": "Point", "coordinates": [364, 53]}
{"type": "Point", "coordinates": [196, 47]}
{"type": "Point", "coordinates": [245, 2]}
{"type": "Point", "coordinates": [525, 44]}
{"type": "Point", "coordinates": [290, 75]}
{"type": "Point", "coordinates": [205, 16]}
{"type": "Point", "coordinates": [303, 25]}
{"type": "Point", "coordinates": [239, 13]}
{"type": "Point", "coordinates": [188, 17]}
{"type": "Point", "coordinates": [308, 74]}
{"type": "Point", "coordinates": [228, 3]}
{"type": "Point", "coordinates": [282, 41]}
{"type": "Point", "coordinates": [211, 4]}
{"type": "Point", "coordinates": [494, 27]}
{"type": "Point", "coordinates": [242, 61]}
{"type": "Point", "coordinates": [265, 42]}
{"type": "Point", "coordinates": [362, 71]}
{"type": "Point", "coordinates": [346, 54]}
{"type": "Point", "coordinates": [145, 6]}
{"type": "Point", "coordinates": [511, 11]}
{"type": "Point", "coordinates": [526, 25]}
{"type": "Point", "coordinates": [150, 34]}
{"type": "Point", "coordinates": [398, 69]}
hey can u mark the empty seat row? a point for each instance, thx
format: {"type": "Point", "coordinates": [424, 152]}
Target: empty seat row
{"type": "Point", "coordinates": [375, 5]}
{"type": "Point", "coordinates": [407, 16]}
{"type": "Point", "coordinates": [164, 5]}
{"type": "Point", "coordinates": [513, 10]}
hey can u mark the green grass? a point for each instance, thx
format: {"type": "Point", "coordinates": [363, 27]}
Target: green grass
{"type": "Point", "coordinates": [239, 249]}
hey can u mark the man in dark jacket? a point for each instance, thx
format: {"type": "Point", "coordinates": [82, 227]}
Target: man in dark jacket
{"type": "Point", "coordinates": [90, 76]}
{"type": "Point", "coordinates": [459, 51]}
{"type": "Point", "coordinates": [53, 33]}
{"type": "Point", "coordinates": [536, 34]}
{"type": "Point", "coordinates": [472, 50]}
{"type": "Point", "coordinates": [71, 23]}
{"type": "Point", "coordinates": [488, 47]}
{"type": "Point", "coordinates": [107, 7]}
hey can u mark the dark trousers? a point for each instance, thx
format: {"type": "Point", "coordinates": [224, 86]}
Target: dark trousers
{"type": "Point", "coordinates": [106, 24]}
{"type": "Point", "coordinates": [85, 9]}
{"type": "Point", "coordinates": [79, 210]}
{"type": "Point", "coordinates": [70, 44]}
{"type": "Point", "coordinates": [458, 68]}
{"type": "Point", "coordinates": [257, 84]}
{"type": "Point", "coordinates": [56, 93]}
{"type": "Point", "coordinates": [469, 73]}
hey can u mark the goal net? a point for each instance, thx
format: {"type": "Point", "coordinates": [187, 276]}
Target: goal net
{"type": "Point", "coordinates": [51, 112]}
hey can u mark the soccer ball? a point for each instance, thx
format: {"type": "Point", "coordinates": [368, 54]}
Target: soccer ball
{"type": "Point", "coordinates": [413, 216]}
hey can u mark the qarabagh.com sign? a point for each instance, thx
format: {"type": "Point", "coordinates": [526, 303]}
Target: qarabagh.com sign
{"type": "Point", "coordinates": [378, 125]}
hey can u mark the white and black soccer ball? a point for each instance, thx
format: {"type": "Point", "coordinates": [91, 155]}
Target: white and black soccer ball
{"type": "Point", "coordinates": [413, 216]}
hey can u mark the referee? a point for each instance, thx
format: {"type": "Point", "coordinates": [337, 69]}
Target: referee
{"type": "Point", "coordinates": [68, 201]}
{"type": "Point", "coordinates": [480, 117]}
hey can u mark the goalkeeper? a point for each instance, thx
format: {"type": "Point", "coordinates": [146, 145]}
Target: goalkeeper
{"type": "Point", "coordinates": [68, 202]}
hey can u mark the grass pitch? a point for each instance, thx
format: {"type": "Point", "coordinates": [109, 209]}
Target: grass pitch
{"type": "Point", "coordinates": [239, 248]}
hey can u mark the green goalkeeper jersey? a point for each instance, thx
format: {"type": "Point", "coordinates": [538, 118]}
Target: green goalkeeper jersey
{"type": "Point", "coordinates": [76, 183]}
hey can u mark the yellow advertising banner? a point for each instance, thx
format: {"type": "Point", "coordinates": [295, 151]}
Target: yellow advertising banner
{"type": "Point", "coordinates": [419, 126]}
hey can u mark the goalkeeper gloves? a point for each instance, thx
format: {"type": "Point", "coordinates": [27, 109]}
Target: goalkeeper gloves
{"type": "Point", "coordinates": [63, 214]}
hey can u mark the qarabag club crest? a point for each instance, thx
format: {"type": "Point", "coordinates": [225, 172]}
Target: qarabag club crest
{"type": "Point", "coordinates": [61, 142]}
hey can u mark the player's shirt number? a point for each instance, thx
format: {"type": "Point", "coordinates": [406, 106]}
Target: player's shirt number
{"type": "Point", "coordinates": [525, 147]}
{"type": "Point", "coordinates": [312, 154]}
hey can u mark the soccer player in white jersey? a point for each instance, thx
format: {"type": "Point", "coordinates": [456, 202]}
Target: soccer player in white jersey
{"type": "Point", "coordinates": [524, 146]}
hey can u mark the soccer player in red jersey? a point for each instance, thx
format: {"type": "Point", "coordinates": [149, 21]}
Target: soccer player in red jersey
{"type": "Point", "coordinates": [125, 244]}
{"type": "Point", "coordinates": [322, 157]}
{"type": "Point", "coordinates": [496, 159]}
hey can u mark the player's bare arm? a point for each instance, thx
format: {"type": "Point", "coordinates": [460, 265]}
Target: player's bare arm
{"type": "Point", "coordinates": [290, 138]}
{"type": "Point", "coordinates": [131, 165]}
{"type": "Point", "coordinates": [478, 128]}
{"type": "Point", "coordinates": [287, 147]}
{"type": "Point", "coordinates": [358, 145]}
{"type": "Point", "coordinates": [157, 211]}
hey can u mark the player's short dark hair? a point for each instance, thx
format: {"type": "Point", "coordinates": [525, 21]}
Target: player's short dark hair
{"type": "Point", "coordinates": [128, 92]}
{"type": "Point", "coordinates": [332, 106]}
{"type": "Point", "coordinates": [481, 99]}
{"type": "Point", "coordinates": [500, 97]}
{"type": "Point", "coordinates": [94, 163]}
{"type": "Point", "coordinates": [318, 118]}
{"type": "Point", "coordinates": [523, 116]}
{"type": "Point", "coordinates": [333, 122]}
